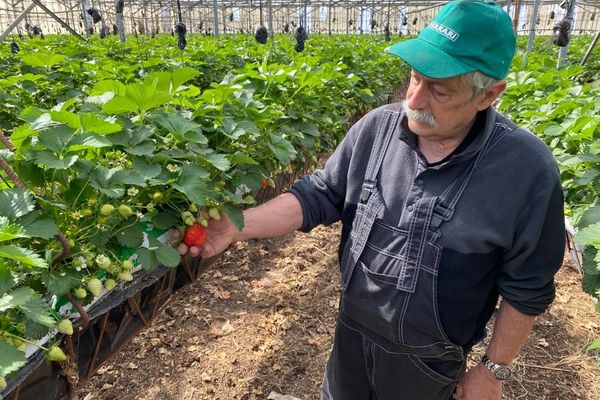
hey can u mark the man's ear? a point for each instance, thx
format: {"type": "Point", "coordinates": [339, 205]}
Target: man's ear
{"type": "Point", "coordinates": [490, 95]}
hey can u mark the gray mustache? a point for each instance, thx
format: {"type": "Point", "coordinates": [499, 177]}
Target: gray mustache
{"type": "Point", "coordinates": [420, 116]}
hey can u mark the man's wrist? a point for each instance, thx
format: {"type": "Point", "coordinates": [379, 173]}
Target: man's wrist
{"type": "Point", "coordinates": [499, 372]}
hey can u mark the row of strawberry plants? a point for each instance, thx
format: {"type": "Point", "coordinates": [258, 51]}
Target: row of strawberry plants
{"type": "Point", "coordinates": [111, 148]}
{"type": "Point", "coordinates": [562, 106]}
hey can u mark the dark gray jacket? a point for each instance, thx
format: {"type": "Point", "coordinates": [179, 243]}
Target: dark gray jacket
{"type": "Point", "coordinates": [507, 233]}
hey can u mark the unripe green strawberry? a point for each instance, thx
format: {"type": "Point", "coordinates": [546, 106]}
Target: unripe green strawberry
{"type": "Point", "coordinates": [110, 284]}
{"type": "Point", "coordinates": [79, 293]}
{"type": "Point", "coordinates": [125, 210]}
{"type": "Point", "coordinates": [189, 221]}
{"type": "Point", "coordinates": [125, 276]}
{"type": "Point", "coordinates": [2, 383]}
{"type": "Point", "coordinates": [157, 196]}
{"type": "Point", "coordinates": [71, 243]}
{"type": "Point", "coordinates": [193, 208]}
{"type": "Point", "coordinates": [127, 265]}
{"type": "Point", "coordinates": [249, 200]}
{"type": "Point", "coordinates": [55, 354]}
{"type": "Point", "coordinates": [214, 213]}
{"type": "Point", "coordinates": [87, 212]}
{"type": "Point", "coordinates": [65, 326]}
{"type": "Point", "coordinates": [204, 222]}
{"type": "Point", "coordinates": [92, 201]}
{"type": "Point", "coordinates": [107, 209]}
{"type": "Point", "coordinates": [94, 286]}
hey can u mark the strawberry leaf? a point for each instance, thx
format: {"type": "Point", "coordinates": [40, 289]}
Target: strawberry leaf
{"type": "Point", "coordinates": [11, 358]}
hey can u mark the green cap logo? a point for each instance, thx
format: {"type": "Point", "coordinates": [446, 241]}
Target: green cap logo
{"type": "Point", "coordinates": [444, 30]}
{"type": "Point", "coordinates": [465, 36]}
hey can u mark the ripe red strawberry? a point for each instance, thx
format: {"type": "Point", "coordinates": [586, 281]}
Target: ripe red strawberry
{"type": "Point", "coordinates": [195, 235]}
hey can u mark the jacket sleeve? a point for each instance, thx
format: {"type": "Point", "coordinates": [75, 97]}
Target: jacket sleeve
{"type": "Point", "coordinates": [526, 278]}
{"type": "Point", "coordinates": [323, 193]}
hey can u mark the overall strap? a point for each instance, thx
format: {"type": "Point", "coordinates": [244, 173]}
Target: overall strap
{"type": "Point", "coordinates": [444, 209]}
{"type": "Point", "coordinates": [370, 204]}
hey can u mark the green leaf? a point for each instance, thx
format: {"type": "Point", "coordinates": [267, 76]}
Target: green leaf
{"type": "Point", "coordinates": [283, 150]}
{"type": "Point", "coordinates": [51, 161]}
{"type": "Point", "coordinates": [595, 344]}
{"type": "Point", "coordinates": [7, 281]}
{"type": "Point", "coordinates": [66, 117]}
{"type": "Point", "coordinates": [236, 215]}
{"type": "Point", "coordinates": [35, 330]}
{"type": "Point", "coordinates": [147, 170]}
{"type": "Point", "coordinates": [109, 85]}
{"type": "Point", "coordinates": [16, 298]}
{"type": "Point", "coordinates": [590, 216]}
{"type": "Point", "coordinates": [131, 236]}
{"type": "Point", "coordinates": [219, 161]}
{"type": "Point", "coordinates": [170, 81]}
{"type": "Point", "coordinates": [143, 149]}
{"type": "Point", "coordinates": [191, 183]}
{"type": "Point", "coordinates": [36, 224]}
{"type": "Point", "coordinates": [146, 97]}
{"type": "Point", "coordinates": [168, 256]}
{"type": "Point", "coordinates": [20, 134]}
{"type": "Point", "coordinates": [120, 105]}
{"type": "Point", "coordinates": [45, 60]}
{"type": "Point", "coordinates": [62, 281]}
{"type": "Point", "coordinates": [11, 232]}
{"type": "Point", "coordinates": [88, 141]}
{"type": "Point", "coordinates": [38, 311]}
{"type": "Point", "coordinates": [57, 139]}
{"type": "Point", "coordinates": [147, 259]}
{"type": "Point", "coordinates": [177, 124]}
{"type": "Point", "coordinates": [22, 255]}
{"type": "Point", "coordinates": [15, 202]}
{"type": "Point", "coordinates": [589, 236]}
{"type": "Point", "coordinates": [95, 124]}
{"type": "Point", "coordinates": [165, 220]}
{"type": "Point", "coordinates": [11, 358]}
{"type": "Point", "coordinates": [100, 238]}
{"type": "Point", "coordinates": [241, 158]}
{"type": "Point", "coordinates": [128, 177]}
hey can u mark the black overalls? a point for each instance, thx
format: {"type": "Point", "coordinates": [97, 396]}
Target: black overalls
{"type": "Point", "coordinates": [390, 343]}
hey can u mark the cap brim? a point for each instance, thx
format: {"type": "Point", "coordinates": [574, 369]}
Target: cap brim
{"type": "Point", "coordinates": [429, 60]}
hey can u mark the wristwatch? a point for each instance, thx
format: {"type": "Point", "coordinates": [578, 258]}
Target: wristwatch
{"type": "Point", "coordinates": [500, 372]}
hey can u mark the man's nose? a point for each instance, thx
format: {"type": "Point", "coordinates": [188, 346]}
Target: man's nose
{"type": "Point", "coordinates": [417, 97]}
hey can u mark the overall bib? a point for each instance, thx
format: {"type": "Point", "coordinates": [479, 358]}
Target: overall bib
{"type": "Point", "coordinates": [388, 306]}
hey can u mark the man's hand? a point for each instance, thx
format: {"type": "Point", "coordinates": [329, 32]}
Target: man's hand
{"type": "Point", "coordinates": [478, 384]}
{"type": "Point", "coordinates": [219, 235]}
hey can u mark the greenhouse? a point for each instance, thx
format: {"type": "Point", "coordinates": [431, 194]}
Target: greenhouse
{"type": "Point", "coordinates": [294, 200]}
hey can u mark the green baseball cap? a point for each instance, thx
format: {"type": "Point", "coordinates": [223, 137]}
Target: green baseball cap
{"type": "Point", "coordinates": [465, 36]}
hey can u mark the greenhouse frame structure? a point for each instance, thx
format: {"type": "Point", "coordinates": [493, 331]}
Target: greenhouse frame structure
{"type": "Point", "coordinates": [218, 17]}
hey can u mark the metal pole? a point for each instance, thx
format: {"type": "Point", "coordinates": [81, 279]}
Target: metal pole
{"type": "Point", "coordinates": [224, 12]}
{"type": "Point", "coordinates": [190, 26]}
{"type": "Point", "coordinates": [589, 50]}
{"type": "Point", "coordinates": [347, 20]}
{"type": "Point", "coordinates": [271, 25]}
{"type": "Point", "coordinates": [516, 17]}
{"type": "Point", "coordinates": [329, 15]}
{"type": "Point", "coordinates": [569, 18]}
{"type": "Point", "coordinates": [85, 20]}
{"type": "Point", "coordinates": [534, 17]}
{"type": "Point", "coordinates": [216, 18]}
{"type": "Point", "coordinates": [119, 19]}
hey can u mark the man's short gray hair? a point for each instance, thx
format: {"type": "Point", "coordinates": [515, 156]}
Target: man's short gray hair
{"type": "Point", "coordinates": [479, 81]}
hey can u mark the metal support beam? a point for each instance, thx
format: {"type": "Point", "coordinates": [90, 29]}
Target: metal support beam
{"type": "Point", "coordinates": [589, 50]}
{"type": "Point", "coordinates": [27, 10]}
{"type": "Point", "coordinates": [17, 21]}
{"type": "Point", "coordinates": [216, 18]}
{"type": "Point", "coordinates": [569, 17]}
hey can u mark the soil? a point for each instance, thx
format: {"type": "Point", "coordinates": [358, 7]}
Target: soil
{"type": "Point", "coordinates": [261, 320]}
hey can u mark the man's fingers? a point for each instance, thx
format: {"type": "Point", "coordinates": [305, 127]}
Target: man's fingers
{"type": "Point", "coordinates": [458, 393]}
{"type": "Point", "coordinates": [182, 249]}
{"type": "Point", "coordinates": [194, 251]}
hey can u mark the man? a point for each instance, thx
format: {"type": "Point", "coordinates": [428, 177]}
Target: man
{"type": "Point", "coordinates": [445, 205]}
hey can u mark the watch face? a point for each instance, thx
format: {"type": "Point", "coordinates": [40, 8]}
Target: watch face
{"type": "Point", "coordinates": [502, 373]}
